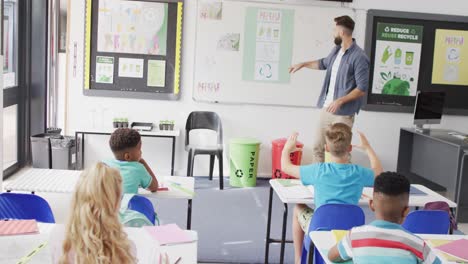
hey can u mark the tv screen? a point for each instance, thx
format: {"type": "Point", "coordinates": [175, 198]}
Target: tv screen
{"type": "Point", "coordinates": [429, 105]}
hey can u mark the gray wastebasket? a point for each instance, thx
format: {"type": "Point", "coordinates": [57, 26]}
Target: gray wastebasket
{"type": "Point", "coordinates": [53, 151]}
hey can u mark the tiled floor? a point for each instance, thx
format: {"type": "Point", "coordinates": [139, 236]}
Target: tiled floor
{"type": "Point", "coordinates": [463, 227]}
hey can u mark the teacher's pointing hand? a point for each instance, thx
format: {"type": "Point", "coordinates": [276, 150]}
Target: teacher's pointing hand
{"type": "Point", "coordinates": [294, 68]}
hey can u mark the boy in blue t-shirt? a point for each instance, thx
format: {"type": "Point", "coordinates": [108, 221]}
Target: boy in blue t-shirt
{"type": "Point", "coordinates": [334, 182]}
{"type": "Point", "coordinates": [125, 143]}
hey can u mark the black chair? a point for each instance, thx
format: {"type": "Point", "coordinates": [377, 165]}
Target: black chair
{"type": "Point", "coordinates": [205, 120]}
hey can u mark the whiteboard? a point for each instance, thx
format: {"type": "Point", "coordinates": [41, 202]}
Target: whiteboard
{"type": "Point", "coordinates": [218, 74]}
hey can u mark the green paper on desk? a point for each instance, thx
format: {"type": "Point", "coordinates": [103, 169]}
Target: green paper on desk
{"type": "Point", "coordinates": [288, 182]}
{"type": "Point", "coordinates": [179, 187]}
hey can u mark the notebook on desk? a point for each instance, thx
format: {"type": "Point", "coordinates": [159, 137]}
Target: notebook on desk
{"type": "Point", "coordinates": [457, 248]}
{"type": "Point", "coordinates": [168, 234]}
{"type": "Point", "coordinates": [18, 227]}
{"type": "Point", "coordinates": [416, 191]}
{"type": "Point", "coordinates": [298, 192]}
{"type": "Point", "coordinates": [367, 192]}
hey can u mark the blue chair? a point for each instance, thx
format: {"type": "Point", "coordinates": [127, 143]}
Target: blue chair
{"type": "Point", "coordinates": [25, 206]}
{"type": "Point", "coordinates": [143, 205]}
{"type": "Point", "coordinates": [428, 222]}
{"type": "Point", "coordinates": [328, 217]}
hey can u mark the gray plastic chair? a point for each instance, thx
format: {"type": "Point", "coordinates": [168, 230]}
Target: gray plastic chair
{"type": "Point", "coordinates": [205, 120]}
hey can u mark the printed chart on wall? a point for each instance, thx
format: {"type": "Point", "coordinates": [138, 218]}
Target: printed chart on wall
{"type": "Point", "coordinates": [268, 44]}
{"type": "Point", "coordinates": [133, 48]}
{"type": "Point", "coordinates": [244, 49]}
{"type": "Point", "coordinates": [132, 27]}
{"type": "Point", "coordinates": [397, 59]}
{"type": "Point", "coordinates": [450, 57]}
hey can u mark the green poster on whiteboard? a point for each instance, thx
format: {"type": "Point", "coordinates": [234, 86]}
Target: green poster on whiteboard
{"type": "Point", "coordinates": [268, 45]}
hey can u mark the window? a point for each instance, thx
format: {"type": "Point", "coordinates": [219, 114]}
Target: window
{"type": "Point", "coordinates": [10, 43]}
{"type": "Point", "coordinates": [11, 90]}
{"type": "Point", "coordinates": [10, 136]}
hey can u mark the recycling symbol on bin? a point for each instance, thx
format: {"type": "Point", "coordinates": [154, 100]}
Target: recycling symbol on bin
{"type": "Point", "coordinates": [278, 174]}
{"type": "Point", "coordinates": [239, 173]}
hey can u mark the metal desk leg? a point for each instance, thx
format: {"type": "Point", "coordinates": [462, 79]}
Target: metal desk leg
{"type": "Point", "coordinates": [311, 253]}
{"type": "Point", "coordinates": [173, 155]}
{"type": "Point", "coordinates": [82, 150]}
{"type": "Point", "coordinates": [189, 214]}
{"type": "Point", "coordinates": [283, 236]}
{"type": "Point", "coordinates": [76, 150]}
{"type": "Point", "coordinates": [267, 244]}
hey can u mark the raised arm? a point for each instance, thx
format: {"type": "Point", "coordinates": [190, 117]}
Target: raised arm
{"type": "Point", "coordinates": [376, 166]}
{"type": "Point", "coordinates": [314, 65]}
{"type": "Point", "coordinates": [286, 164]}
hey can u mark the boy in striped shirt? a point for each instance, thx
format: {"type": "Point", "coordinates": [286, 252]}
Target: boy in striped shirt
{"type": "Point", "coordinates": [384, 240]}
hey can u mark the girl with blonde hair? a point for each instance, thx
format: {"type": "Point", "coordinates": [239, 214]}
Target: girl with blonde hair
{"type": "Point", "coordinates": [93, 233]}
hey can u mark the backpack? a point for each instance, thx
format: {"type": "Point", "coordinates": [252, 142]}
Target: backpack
{"type": "Point", "coordinates": [444, 207]}
{"type": "Point", "coordinates": [131, 218]}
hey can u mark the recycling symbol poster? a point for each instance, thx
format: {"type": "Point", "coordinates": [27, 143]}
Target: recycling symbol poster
{"type": "Point", "coordinates": [397, 59]}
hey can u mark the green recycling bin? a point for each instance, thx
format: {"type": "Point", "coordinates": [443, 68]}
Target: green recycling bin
{"type": "Point", "coordinates": [243, 157]}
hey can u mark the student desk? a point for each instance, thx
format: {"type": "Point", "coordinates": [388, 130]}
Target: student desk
{"type": "Point", "coordinates": [171, 134]}
{"type": "Point", "coordinates": [179, 188]}
{"type": "Point", "coordinates": [324, 240]}
{"type": "Point", "coordinates": [13, 248]}
{"type": "Point", "coordinates": [64, 181]}
{"type": "Point", "coordinates": [281, 192]}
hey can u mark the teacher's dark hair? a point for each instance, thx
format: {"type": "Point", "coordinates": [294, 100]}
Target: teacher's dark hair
{"type": "Point", "coordinates": [346, 22]}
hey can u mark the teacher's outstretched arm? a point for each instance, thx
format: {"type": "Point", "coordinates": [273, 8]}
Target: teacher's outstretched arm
{"type": "Point", "coordinates": [314, 65]}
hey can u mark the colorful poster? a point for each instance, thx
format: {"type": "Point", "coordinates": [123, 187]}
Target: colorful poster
{"type": "Point", "coordinates": [210, 9]}
{"type": "Point", "coordinates": [156, 73]}
{"type": "Point", "coordinates": [104, 69]}
{"type": "Point", "coordinates": [397, 59]}
{"type": "Point", "coordinates": [134, 27]}
{"type": "Point", "coordinates": [229, 42]}
{"type": "Point", "coordinates": [450, 57]}
{"type": "Point", "coordinates": [131, 68]}
{"type": "Point", "coordinates": [268, 45]}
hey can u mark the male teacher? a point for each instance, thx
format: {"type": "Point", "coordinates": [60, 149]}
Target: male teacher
{"type": "Point", "coordinates": [346, 82]}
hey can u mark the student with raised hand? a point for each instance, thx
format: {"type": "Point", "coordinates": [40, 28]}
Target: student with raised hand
{"type": "Point", "coordinates": [93, 233]}
{"type": "Point", "coordinates": [125, 143]}
{"type": "Point", "coordinates": [334, 182]}
{"type": "Point", "coordinates": [385, 240]}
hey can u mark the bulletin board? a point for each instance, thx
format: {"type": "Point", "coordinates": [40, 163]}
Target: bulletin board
{"type": "Point", "coordinates": [133, 48]}
{"type": "Point", "coordinates": [413, 52]}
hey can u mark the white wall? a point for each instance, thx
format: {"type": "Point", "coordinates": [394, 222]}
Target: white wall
{"type": "Point", "coordinates": [261, 122]}
{"type": "Point", "coordinates": [1, 126]}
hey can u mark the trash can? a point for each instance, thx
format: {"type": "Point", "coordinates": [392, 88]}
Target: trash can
{"type": "Point", "coordinates": [277, 146]}
{"type": "Point", "coordinates": [243, 157]}
{"type": "Point", "coordinates": [63, 153]}
{"type": "Point", "coordinates": [52, 151]}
